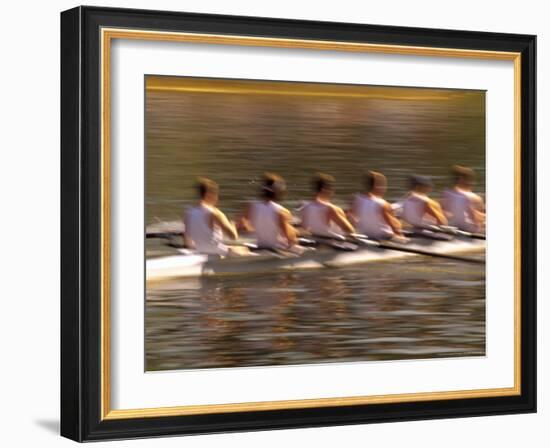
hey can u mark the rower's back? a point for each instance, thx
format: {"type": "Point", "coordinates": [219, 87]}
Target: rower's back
{"type": "Point", "coordinates": [458, 205]}
{"type": "Point", "coordinates": [315, 219]}
{"type": "Point", "coordinates": [460, 202]}
{"type": "Point", "coordinates": [418, 209]}
{"type": "Point", "coordinates": [414, 210]}
{"type": "Point", "coordinates": [265, 218]}
{"type": "Point", "coordinates": [370, 216]}
{"type": "Point", "coordinates": [200, 229]}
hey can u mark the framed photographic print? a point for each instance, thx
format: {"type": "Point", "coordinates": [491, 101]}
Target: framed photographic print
{"type": "Point", "coordinates": [276, 224]}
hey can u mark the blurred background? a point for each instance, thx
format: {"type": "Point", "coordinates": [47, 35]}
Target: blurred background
{"type": "Point", "coordinates": [232, 131]}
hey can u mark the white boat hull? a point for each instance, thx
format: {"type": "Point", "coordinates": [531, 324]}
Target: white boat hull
{"type": "Point", "coordinates": [196, 265]}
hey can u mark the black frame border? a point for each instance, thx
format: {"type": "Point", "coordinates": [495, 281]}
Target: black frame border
{"type": "Point", "coordinates": [81, 223]}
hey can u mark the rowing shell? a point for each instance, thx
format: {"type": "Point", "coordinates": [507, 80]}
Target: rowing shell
{"type": "Point", "coordinates": [197, 265]}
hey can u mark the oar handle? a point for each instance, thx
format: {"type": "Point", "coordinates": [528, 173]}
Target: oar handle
{"type": "Point", "coordinates": [412, 250]}
{"type": "Point", "coordinates": [163, 234]}
{"type": "Point", "coordinates": [456, 231]}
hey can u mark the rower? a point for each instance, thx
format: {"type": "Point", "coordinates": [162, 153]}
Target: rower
{"type": "Point", "coordinates": [463, 208]}
{"type": "Point", "coordinates": [419, 210]}
{"type": "Point", "coordinates": [270, 221]}
{"type": "Point", "coordinates": [205, 224]}
{"type": "Point", "coordinates": [320, 217]}
{"type": "Point", "coordinates": [372, 213]}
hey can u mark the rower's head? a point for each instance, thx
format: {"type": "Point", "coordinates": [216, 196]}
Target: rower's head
{"type": "Point", "coordinates": [323, 185]}
{"type": "Point", "coordinates": [421, 184]}
{"type": "Point", "coordinates": [208, 190]}
{"type": "Point", "coordinates": [376, 183]}
{"type": "Point", "coordinates": [463, 177]}
{"type": "Point", "coordinates": [273, 187]}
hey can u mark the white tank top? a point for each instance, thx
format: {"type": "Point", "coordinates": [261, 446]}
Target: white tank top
{"type": "Point", "coordinates": [206, 238]}
{"type": "Point", "coordinates": [414, 210]}
{"type": "Point", "coordinates": [370, 217]}
{"type": "Point", "coordinates": [315, 219]}
{"type": "Point", "coordinates": [264, 217]}
{"type": "Point", "coordinates": [457, 204]}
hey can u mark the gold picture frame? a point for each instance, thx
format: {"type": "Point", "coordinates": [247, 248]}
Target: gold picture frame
{"type": "Point", "coordinates": [521, 54]}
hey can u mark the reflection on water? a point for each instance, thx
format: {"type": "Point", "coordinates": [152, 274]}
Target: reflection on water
{"type": "Point", "coordinates": [411, 308]}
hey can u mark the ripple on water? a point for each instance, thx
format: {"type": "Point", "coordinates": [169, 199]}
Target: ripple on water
{"type": "Point", "coordinates": [288, 318]}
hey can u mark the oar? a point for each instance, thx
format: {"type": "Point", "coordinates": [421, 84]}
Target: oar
{"type": "Point", "coordinates": [166, 235]}
{"type": "Point", "coordinates": [356, 238]}
{"type": "Point", "coordinates": [412, 250]}
{"type": "Point", "coordinates": [457, 232]}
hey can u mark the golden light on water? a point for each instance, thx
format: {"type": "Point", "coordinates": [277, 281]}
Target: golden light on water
{"type": "Point", "coordinates": [259, 87]}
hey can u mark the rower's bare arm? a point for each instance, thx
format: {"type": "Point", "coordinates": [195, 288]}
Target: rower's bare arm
{"type": "Point", "coordinates": [352, 212]}
{"type": "Point", "coordinates": [338, 216]}
{"type": "Point", "coordinates": [445, 205]}
{"type": "Point", "coordinates": [478, 218]}
{"type": "Point", "coordinates": [476, 211]}
{"type": "Point", "coordinates": [434, 209]}
{"type": "Point", "coordinates": [391, 220]}
{"type": "Point", "coordinates": [243, 223]}
{"type": "Point", "coordinates": [227, 226]}
{"type": "Point", "coordinates": [472, 214]}
{"type": "Point", "coordinates": [287, 229]}
{"type": "Point", "coordinates": [478, 203]}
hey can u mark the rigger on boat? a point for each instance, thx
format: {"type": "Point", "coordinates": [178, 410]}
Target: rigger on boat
{"type": "Point", "coordinates": [325, 237]}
